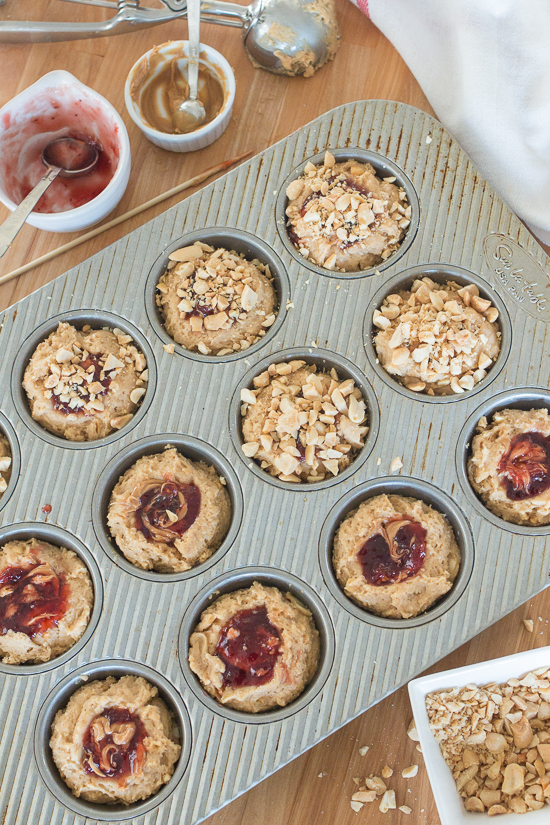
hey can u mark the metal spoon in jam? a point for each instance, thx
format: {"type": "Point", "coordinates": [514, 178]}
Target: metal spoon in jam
{"type": "Point", "coordinates": [67, 157]}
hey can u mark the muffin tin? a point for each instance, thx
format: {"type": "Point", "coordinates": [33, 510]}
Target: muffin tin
{"type": "Point", "coordinates": [280, 533]}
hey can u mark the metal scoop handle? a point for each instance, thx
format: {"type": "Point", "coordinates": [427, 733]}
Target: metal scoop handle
{"type": "Point", "coordinates": [130, 17]}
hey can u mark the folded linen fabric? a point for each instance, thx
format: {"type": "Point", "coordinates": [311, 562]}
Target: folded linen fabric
{"type": "Point", "coordinates": [484, 65]}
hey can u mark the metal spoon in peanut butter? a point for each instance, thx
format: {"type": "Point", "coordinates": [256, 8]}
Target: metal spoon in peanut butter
{"type": "Point", "coordinates": [160, 86]}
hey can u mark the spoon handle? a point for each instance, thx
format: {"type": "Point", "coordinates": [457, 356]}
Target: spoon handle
{"type": "Point", "coordinates": [194, 23]}
{"type": "Point", "coordinates": [12, 224]}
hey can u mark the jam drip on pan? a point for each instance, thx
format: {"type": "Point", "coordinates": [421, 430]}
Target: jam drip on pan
{"type": "Point", "coordinates": [395, 553]}
{"type": "Point", "coordinates": [249, 645]}
{"type": "Point", "coordinates": [113, 745]}
{"type": "Point", "coordinates": [525, 468]}
{"type": "Point", "coordinates": [167, 510]}
{"type": "Point", "coordinates": [33, 599]}
{"type": "Point", "coordinates": [96, 361]}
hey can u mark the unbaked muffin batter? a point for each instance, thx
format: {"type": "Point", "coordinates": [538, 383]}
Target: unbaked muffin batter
{"type": "Point", "coordinates": [255, 649]}
{"type": "Point", "coordinates": [115, 741]}
{"type": "Point", "coordinates": [300, 424]}
{"type": "Point", "coordinates": [5, 463]}
{"type": "Point", "coordinates": [437, 339]}
{"type": "Point", "coordinates": [395, 556]}
{"type": "Point", "coordinates": [342, 216]}
{"type": "Point", "coordinates": [509, 467]}
{"type": "Point", "coordinates": [82, 385]}
{"type": "Point", "coordinates": [215, 301]}
{"type": "Point", "coordinates": [168, 513]}
{"type": "Point", "coordinates": [46, 598]}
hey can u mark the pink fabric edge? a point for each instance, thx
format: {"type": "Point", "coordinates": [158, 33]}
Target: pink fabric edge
{"type": "Point", "coordinates": [364, 6]}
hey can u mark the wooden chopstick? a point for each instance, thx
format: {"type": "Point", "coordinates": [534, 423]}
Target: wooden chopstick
{"type": "Point", "coordinates": [213, 170]}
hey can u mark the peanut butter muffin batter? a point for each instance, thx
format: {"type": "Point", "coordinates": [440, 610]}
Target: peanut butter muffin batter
{"type": "Point", "coordinates": [82, 385]}
{"type": "Point", "coordinates": [5, 463]}
{"type": "Point", "coordinates": [509, 467]}
{"type": "Point", "coordinates": [395, 556]}
{"type": "Point", "coordinates": [342, 216]}
{"type": "Point", "coordinates": [115, 741]}
{"type": "Point", "coordinates": [255, 649]}
{"type": "Point", "coordinates": [215, 301]}
{"type": "Point", "coordinates": [46, 598]}
{"type": "Point", "coordinates": [437, 339]}
{"type": "Point", "coordinates": [300, 424]}
{"type": "Point", "coordinates": [168, 513]}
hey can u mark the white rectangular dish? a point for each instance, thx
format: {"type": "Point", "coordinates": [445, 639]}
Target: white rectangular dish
{"type": "Point", "coordinates": [449, 804]}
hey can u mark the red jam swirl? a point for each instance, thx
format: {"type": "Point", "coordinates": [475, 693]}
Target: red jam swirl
{"type": "Point", "coordinates": [113, 744]}
{"type": "Point", "coordinates": [395, 553]}
{"type": "Point", "coordinates": [167, 510]}
{"type": "Point", "coordinates": [525, 467]}
{"type": "Point", "coordinates": [33, 599]}
{"type": "Point", "coordinates": [249, 645]}
{"type": "Point", "coordinates": [96, 361]}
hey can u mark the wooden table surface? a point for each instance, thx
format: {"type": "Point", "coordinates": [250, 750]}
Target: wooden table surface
{"type": "Point", "coordinates": [316, 787]}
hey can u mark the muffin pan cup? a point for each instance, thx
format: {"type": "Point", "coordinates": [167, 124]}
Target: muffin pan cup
{"type": "Point", "coordinates": [238, 579]}
{"type": "Point", "coordinates": [78, 318]}
{"type": "Point", "coordinates": [234, 240]}
{"type": "Point", "coordinates": [325, 361]}
{"type": "Point", "coordinates": [61, 538]}
{"type": "Point", "coordinates": [281, 533]}
{"type": "Point", "coordinates": [440, 273]}
{"type": "Point", "coordinates": [58, 698]}
{"type": "Point", "coordinates": [191, 448]}
{"type": "Point", "coordinates": [521, 398]}
{"type": "Point", "coordinates": [412, 488]}
{"type": "Point", "coordinates": [383, 167]}
{"type": "Point", "coordinates": [6, 429]}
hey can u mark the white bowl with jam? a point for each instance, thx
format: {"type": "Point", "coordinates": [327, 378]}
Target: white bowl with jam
{"type": "Point", "coordinates": [157, 83]}
{"type": "Point", "coordinates": [59, 105]}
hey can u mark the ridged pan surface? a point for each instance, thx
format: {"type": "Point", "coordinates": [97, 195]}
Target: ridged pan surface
{"type": "Point", "coordinates": [282, 534]}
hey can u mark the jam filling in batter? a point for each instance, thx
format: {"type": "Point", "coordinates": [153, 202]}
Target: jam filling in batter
{"type": "Point", "coordinates": [525, 468]}
{"type": "Point", "coordinates": [395, 553]}
{"type": "Point", "coordinates": [94, 365]}
{"type": "Point", "coordinates": [167, 510]}
{"type": "Point", "coordinates": [33, 599]}
{"type": "Point", "coordinates": [113, 744]}
{"type": "Point", "coordinates": [249, 645]}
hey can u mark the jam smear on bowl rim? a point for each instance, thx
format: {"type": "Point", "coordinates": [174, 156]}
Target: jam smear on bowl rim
{"type": "Point", "coordinates": [113, 745]}
{"type": "Point", "coordinates": [33, 599]}
{"type": "Point", "coordinates": [167, 510]}
{"type": "Point", "coordinates": [249, 645]}
{"type": "Point", "coordinates": [525, 467]}
{"type": "Point", "coordinates": [394, 553]}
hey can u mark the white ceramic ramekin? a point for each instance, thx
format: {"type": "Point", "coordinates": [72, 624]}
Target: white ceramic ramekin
{"type": "Point", "coordinates": [200, 137]}
{"type": "Point", "coordinates": [95, 210]}
{"type": "Point", "coordinates": [449, 803]}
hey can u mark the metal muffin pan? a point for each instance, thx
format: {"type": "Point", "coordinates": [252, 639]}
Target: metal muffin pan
{"type": "Point", "coordinates": [412, 488]}
{"type": "Point", "coordinates": [57, 700]}
{"type": "Point", "coordinates": [440, 273]}
{"type": "Point", "coordinates": [462, 223]}
{"type": "Point", "coordinates": [191, 448]}
{"type": "Point", "coordinates": [383, 167]}
{"type": "Point", "coordinates": [238, 579]}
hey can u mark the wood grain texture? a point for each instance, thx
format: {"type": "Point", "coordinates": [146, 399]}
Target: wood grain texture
{"type": "Point", "coordinates": [316, 787]}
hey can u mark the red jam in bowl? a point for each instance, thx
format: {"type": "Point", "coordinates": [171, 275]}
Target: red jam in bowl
{"type": "Point", "coordinates": [62, 112]}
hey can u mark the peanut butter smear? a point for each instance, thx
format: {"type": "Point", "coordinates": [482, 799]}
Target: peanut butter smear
{"type": "Point", "coordinates": [160, 85]}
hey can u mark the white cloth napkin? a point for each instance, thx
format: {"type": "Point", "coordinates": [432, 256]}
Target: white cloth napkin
{"type": "Point", "coordinates": [484, 65]}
